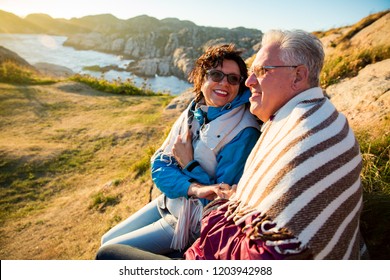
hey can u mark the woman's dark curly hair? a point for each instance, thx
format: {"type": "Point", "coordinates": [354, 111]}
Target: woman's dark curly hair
{"type": "Point", "coordinates": [212, 58]}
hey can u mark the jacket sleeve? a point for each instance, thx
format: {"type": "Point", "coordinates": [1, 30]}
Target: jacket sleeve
{"type": "Point", "coordinates": [168, 176]}
{"type": "Point", "coordinates": [174, 181]}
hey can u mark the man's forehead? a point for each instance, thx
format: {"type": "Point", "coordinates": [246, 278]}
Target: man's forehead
{"type": "Point", "coordinates": [267, 53]}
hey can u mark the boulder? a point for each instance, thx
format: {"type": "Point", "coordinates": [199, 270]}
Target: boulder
{"type": "Point", "coordinates": [365, 99]}
{"type": "Point", "coordinates": [53, 70]}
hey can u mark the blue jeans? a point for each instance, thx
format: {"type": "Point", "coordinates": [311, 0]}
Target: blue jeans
{"type": "Point", "coordinates": [146, 230]}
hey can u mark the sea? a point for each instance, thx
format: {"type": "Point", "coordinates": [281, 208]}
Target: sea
{"type": "Point", "coordinates": [36, 48]}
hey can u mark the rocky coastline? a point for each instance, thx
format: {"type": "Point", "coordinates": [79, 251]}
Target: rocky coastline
{"type": "Point", "coordinates": [166, 47]}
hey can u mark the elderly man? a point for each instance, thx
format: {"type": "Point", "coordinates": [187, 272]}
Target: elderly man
{"type": "Point", "coordinates": [300, 195]}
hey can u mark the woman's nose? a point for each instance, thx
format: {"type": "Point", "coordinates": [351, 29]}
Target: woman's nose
{"type": "Point", "coordinates": [224, 80]}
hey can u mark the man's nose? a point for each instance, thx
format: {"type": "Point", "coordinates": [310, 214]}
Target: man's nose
{"type": "Point", "coordinates": [251, 80]}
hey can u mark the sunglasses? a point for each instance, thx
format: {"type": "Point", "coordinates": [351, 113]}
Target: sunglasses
{"type": "Point", "coordinates": [217, 76]}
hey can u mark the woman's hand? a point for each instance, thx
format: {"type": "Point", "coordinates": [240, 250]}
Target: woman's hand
{"type": "Point", "coordinates": [201, 191]}
{"type": "Point", "coordinates": [183, 150]}
{"type": "Point", "coordinates": [225, 191]}
{"type": "Point", "coordinates": [211, 192]}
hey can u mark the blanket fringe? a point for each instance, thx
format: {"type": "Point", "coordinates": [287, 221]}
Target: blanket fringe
{"type": "Point", "coordinates": [189, 216]}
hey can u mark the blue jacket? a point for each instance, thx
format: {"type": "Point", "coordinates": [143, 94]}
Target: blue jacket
{"type": "Point", "coordinates": [174, 181]}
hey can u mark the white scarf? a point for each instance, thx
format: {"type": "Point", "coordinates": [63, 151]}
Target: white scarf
{"type": "Point", "coordinates": [213, 137]}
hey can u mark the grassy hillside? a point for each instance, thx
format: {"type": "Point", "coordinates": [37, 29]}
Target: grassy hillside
{"type": "Point", "coordinates": [68, 154]}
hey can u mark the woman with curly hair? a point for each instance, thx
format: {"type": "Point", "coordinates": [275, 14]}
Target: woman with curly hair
{"type": "Point", "coordinates": [203, 155]}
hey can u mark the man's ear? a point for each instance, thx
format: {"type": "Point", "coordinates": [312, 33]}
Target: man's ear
{"type": "Point", "coordinates": [301, 78]}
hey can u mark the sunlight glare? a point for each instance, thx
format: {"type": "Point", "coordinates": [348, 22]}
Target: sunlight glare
{"type": "Point", "coordinates": [48, 42]}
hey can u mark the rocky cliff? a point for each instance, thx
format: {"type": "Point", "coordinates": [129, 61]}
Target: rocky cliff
{"type": "Point", "coordinates": [162, 47]}
{"type": "Point", "coordinates": [157, 47]}
{"type": "Point", "coordinates": [364, 98]}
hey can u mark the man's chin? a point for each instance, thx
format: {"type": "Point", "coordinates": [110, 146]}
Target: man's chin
{"type": "Point", "coordinates": [254, 108]}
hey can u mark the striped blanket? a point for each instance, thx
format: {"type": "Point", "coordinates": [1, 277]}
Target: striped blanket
{"type": "Point", "coordinates": [303, 178]}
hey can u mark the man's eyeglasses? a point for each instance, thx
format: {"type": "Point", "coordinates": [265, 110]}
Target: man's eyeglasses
{"type": "Point", "coordinates": [260, 71]}
{"type": "Point", "coordinates": [217, 76]}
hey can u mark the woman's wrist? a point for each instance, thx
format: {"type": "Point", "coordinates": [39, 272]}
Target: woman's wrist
{"type": "Point", "coordinates": [191, 190]}
{"type": "Point", "coordinates": [191, 165]}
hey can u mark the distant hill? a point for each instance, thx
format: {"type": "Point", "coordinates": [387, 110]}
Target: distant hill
{"type": "Point", "coordinates": [10, 23]}
{"type": "Point", "coordinates": [49, 25]}
{"type": "Point", "coordinates": [38, 24]}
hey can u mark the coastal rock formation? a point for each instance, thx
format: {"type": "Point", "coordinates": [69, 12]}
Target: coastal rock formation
{"type": "Point", "coordinates": [365, 99]}
{"type": "Point", "coordinates": [162, 47]}
{"type": "Point", "coordinates": [53, 70]}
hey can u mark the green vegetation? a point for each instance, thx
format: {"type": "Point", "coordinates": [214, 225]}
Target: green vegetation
{"type": "Point", "coordinates": [95, 68]}
{"type": "Point", "coordinates": [100, 201]}
{"type": "Point", "coordinates": [142, 166]}
{"type": "Point", "coordinates": [117, 86]}
{"type": "Point", "coordinates": [360, 26]}
{"type": "Point", "coordinates": [26, 184]}
{"type": "Point", "coordinates": [13, 73]}
{"type": "Point", "coordinates": [376, 168]}
{"type": "Point", "coordinates": [348, 63]}
{"type": "Point", "coordinates": [354, 28]}
{"type": "Point", "coordinates": [376, 194]}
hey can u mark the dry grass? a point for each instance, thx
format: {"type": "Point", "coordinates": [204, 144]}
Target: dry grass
{"type": "Point", "coordinates": [66, 157]}
{"type": "Point", "coordinates": [352, 30]}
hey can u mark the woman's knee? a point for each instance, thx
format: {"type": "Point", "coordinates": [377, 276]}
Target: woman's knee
{"type": "Point", "coordinates": [104, 239]}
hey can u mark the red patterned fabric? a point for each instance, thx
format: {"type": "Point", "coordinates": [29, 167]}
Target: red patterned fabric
{"type": "Point", "coordinates": [221, 239]}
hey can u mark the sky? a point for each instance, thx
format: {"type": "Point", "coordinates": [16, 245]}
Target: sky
{"type": "Point", "coordinates": [309, 15]}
